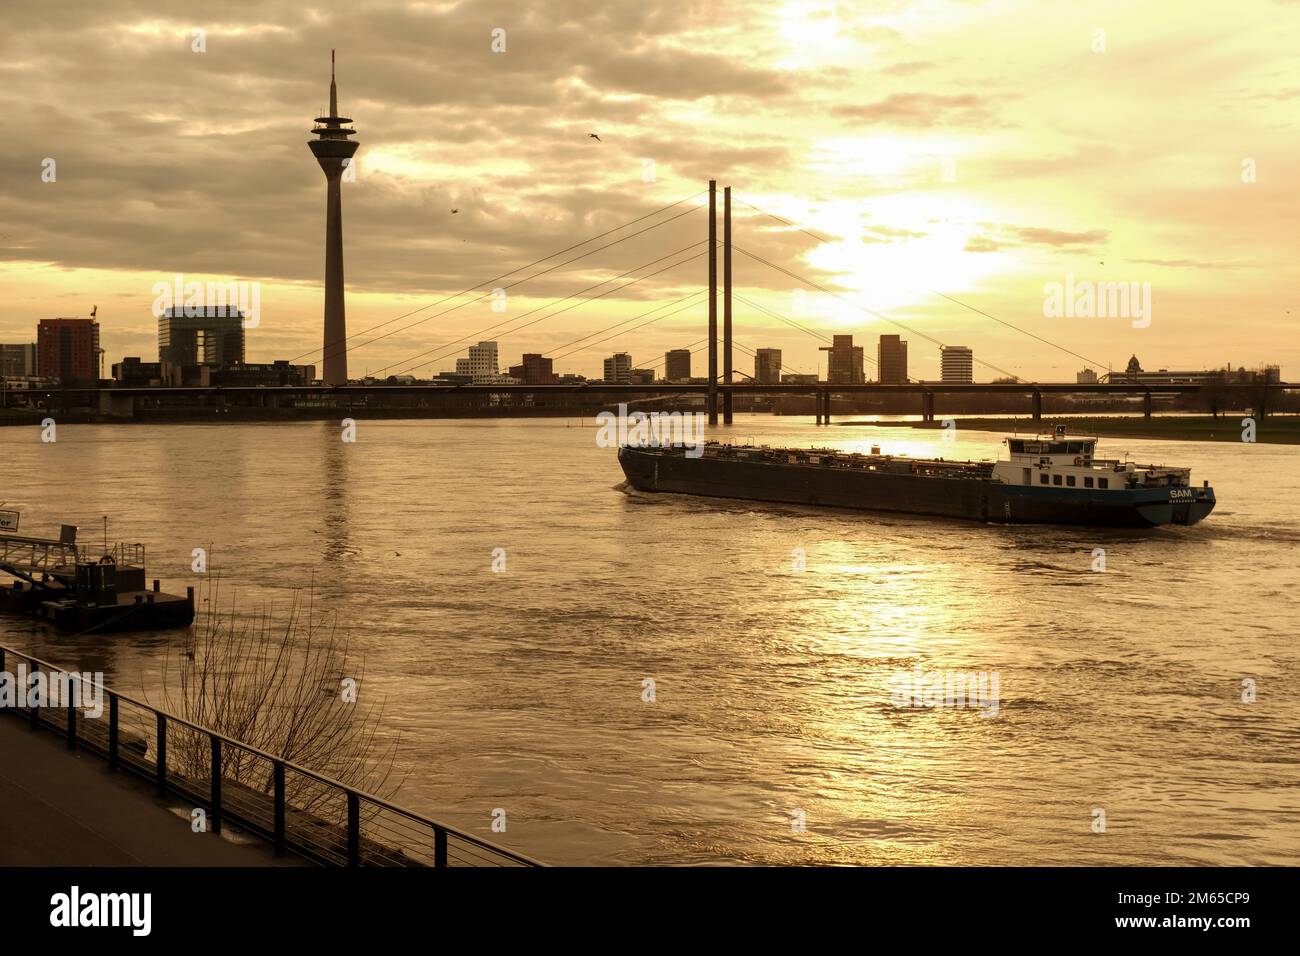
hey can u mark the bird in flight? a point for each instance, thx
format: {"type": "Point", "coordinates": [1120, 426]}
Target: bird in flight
{"type": "Point", "coordinates": [454, 211]}
{"type": "Point", "coordinates": [595, 137]}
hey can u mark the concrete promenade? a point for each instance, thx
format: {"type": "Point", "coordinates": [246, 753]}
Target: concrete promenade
{"type": "Point", "coordinates": [64, 808]}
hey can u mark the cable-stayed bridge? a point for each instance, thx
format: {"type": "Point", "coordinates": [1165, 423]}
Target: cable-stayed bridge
{"type": "Point", "coordinates": [716, 298]}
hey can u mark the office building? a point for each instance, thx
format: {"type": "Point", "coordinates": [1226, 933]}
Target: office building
{"type": "Point", "coordinates": [265, 373]}
{"type": "Point", "coordinates": [18, 361]}
{"type": "Point", "coordinates": [677, 365]}
{"type": "Point", "coordinates": [844, 361]}
{"type": "Point", "coordinates": [68, 350]}
{"type": "Point", "coordinates": [482, 366]}
{"type": "Point", "coordinates": [132, 371]}
{"type": "Point", "coordinates": [213, 336]}
{"type": "Point", "coordinates": [891, 357]}
{"type": "Point", "coordinates": [767, 366]}
{"type": "Point", "coordinates": [618, 369]}
{"type": "Point", "coordinates": [534, 369]}
{"type": "Point", "coordinates": [956, 364]}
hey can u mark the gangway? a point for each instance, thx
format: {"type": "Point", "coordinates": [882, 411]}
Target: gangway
{"type": "Point", "coordinates": [28, 557]}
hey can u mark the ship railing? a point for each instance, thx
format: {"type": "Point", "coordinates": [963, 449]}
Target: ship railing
{"type": "Point", "coordinates": [297, 810]}
{"type": "Point", "coordinates": [124, 554]}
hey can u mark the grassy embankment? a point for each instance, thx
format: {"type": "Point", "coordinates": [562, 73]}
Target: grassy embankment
{"type": "Point", "coordinates": [1279, 429]}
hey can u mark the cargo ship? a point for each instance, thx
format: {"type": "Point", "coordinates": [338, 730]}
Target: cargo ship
{"type": "Point", "coordinates": [1045, 479]}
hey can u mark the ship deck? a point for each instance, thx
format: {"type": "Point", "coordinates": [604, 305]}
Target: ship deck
{"type": "Point", "coordinates": [835, 458]}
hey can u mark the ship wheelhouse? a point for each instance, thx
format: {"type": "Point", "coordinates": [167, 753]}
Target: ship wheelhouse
{"type": "Point", "coordinates": [1061, 462]}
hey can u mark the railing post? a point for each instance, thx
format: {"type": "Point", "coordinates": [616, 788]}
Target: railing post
{"type": "Point", "coordinates": [279, 806]}
{"type": "Point", "coordinates": [160, 763]}
{"type": "Point", "coordinates": [112, 731]}
{"type": "Point", "coordinates": [439, 846]}
{"type": "Point", "coordinates": [216, 782]}
{"type": "Point", "coordinates": [354, 829]}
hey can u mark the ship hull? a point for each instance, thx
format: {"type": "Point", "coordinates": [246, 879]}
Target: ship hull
{"type": "Point", "coordinates": [977, 499]}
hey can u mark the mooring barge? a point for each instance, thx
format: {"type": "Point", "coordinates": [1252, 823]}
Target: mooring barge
{"type": "Point", "coordinates": [81, 588]}
{"type": "Point", "coordinates": [1045, 480]}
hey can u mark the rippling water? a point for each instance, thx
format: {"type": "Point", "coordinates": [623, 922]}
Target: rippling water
{"type": "Point", "coordinates": [523, 690]}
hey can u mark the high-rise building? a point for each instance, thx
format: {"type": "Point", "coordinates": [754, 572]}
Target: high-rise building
{"type": "Point", "coordinates": [891, 357]}
{"type": "Point", "coordinates": [677, 365]}
{"type": "Point", "coordinates": [534, 369]}
{"type": "Point", "coordinates": [483, 366]}
{"type": "Point", "coordinates": [956, 364]}
{"type": "Point", "coordinates": [213, 337]}
{"type": "Point", "coordinates": [334, 151]}
{"type": "Point", "coordinates": [18, 361]}
{"type": "Point", "coordinates": [767, 366]}
{"type": "Point", "coordinates": [618, 369]}
{"type": "Point", "coordinates": [844, 361]}
{"type": "Point", "coordinates": [1086, 377]}
{"type": "Point", "coordinates": [68, 349]}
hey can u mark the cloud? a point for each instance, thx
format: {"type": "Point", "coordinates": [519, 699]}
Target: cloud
{"type": "Point", "coordinates": [922, 109]}
{"type": "Point", "coordinates": [1059, 238]}
{"type": "Point", "coordinates": [171, 160]}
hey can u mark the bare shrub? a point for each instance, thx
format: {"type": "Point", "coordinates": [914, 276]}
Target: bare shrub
{"type": "Point", "coordinates": [275, 682]}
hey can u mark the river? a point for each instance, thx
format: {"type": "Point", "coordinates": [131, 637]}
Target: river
{"type": "Point", "coordinates": [1119, 691]}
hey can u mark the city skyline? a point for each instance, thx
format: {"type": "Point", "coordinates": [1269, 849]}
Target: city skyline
{"type": "Point", "coordinates": [912, 176]}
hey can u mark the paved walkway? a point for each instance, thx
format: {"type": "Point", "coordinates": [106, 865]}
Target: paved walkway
{"type": "Point", "coordinates": [64, 808]}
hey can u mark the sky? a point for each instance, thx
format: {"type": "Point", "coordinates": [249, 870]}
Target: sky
{"type": "Point", "coordinates": [933, 169]}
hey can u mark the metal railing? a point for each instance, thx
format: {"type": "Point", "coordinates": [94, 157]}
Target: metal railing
{"type": "Point", "coordinates": [298, 810]}
{"type": "Point", "coordinates": [35, 554]}
{"type": "Point", "coordinates": [42, 555]}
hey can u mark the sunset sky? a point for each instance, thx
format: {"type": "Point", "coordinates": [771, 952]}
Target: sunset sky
{"type": "Point", "coordinates": [973, 150]}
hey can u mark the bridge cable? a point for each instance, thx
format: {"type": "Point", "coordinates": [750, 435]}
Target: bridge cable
{"type": "Point", "coordinates": [862, 308]}
{"type": "Point", "coordinates": [504, 275]}
{"type": "Point", "coordinates": [574, 306]}
{"type": "Point", "coordinates": [944, 295]}
{"type": "Point", "coordinates": [515, 318]}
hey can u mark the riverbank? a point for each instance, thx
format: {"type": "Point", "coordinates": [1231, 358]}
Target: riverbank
{"type": "Point", "coordinates": [1277, 430]}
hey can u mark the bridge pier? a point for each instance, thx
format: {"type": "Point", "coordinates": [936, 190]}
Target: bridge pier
{"type": "Point", "coordinates": [726, 302]}
{"type": "Point", "coordinates": [712, 399]}
{"type": "Point", "coordinates": [1038, 406]}
{"type": "Point", "coordinates": [927, 406]}
{"type": "Point", "coordinates": [826, 405]}
{"type": "Point", "coordinates": [817, 406]}
{"type": "Point", "coordinates": [1146, 404]}
{"type": "Point", "coordinates": [118, 406]}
